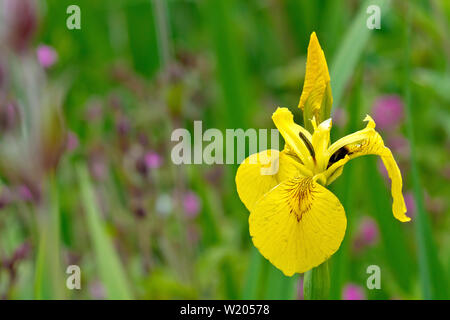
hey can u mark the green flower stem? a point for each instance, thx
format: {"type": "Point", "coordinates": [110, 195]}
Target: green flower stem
{"type": "Point", "coordinates": [316, 283]}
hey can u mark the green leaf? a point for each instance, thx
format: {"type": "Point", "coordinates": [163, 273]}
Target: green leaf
{"type": "Point", "coordinates": [351, 49]}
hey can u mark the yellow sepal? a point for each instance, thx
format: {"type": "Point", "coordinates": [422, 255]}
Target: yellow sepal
{"type": "Point", "coordinates": [297, 225]}
{"type": "Point", "coordinates": [262, 171]}
{"type": "Point", "coordinates": [368, 141]}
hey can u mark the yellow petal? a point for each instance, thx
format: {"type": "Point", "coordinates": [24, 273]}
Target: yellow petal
{"type": "Point", "coordinates": [398, 205]}
{"type": "Point", "coordinates": [297, 225]}
{"type": "Point", "coordinates": [297, 138]}
{"type": "Point", "coordinates": [368, 141]}
{"type": "Point", "coordinates": [335, 170]}
{"type": "Point", "coordinates": [262, 171]}
{"type": "Point", "coordinates": [316, 77]}
{"type": "Point", "coordinates": [321, 142]}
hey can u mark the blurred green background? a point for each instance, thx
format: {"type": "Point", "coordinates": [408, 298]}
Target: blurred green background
{"type": "Point", "coordinates": [86, 118]}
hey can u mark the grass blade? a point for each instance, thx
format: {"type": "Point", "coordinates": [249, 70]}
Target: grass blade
{"type": "Point", "coordinates": [254, 277]}
{"type": "Point", "coordinates": [230, 62]}
{"type": "Point", "coordinates": [350, 50]}
{"type": "Point", "coordinates": [432, 277]}
{"type": "Point", "coordinates": [49, 281]}
{"type": "Point", "coordinates": [392, 234]}
{"type": "Point", "coordinates": [108, 263]}
{"type": "Point", "coordinates": [280, 287]}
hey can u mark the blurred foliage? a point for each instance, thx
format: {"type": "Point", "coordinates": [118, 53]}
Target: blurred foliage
{"type": "Point", "coordinates": [85, 166]}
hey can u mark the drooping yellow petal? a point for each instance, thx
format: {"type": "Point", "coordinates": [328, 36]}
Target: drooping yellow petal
{"type": "Point", "coordinates": [316, 77]}
{"type": "Point", "coordinates": [297, 137]}
{"type": "Point", "coordinates": [297, 225]}
{"type": "Point", "coordinates": [368, 141]}
{"type": "Point", "coordinates": [262, 171]}
{"type": "Point", "coordinates": [398, 205]}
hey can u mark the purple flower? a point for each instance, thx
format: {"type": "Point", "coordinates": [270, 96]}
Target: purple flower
{"type": "Point", "coordinates": [369, 231]}
{"type": "Point", "coordinates": [21, 22]}
{"type": "Point", "coordinates": [353, 292]}
{"type": "Point", "coordinates": [388, 111]}
{"type": "Point", "coordinates": [25, 193]}
{"type": "Point", "coordinates": [46, 56]}
{"type": "Point", "coordinates": [97, 290]}
{"type": "Point", "coordinates": [152, 160]}
{"type": "Point", "coordinates": [28, 192]}
{"type": "Point", "coordinates": [123, 126]}
{"type": "Point", "coordinates": [97, 165]}
{"type": "Point", "coordinates": [72, 141]}
{"type": "Point", "coordinates": [22, 251]}
{"type": "Point", "coordinates": [9, 116]}
{"type": "Point", "coordinates": [367, 234]}
{"type": "Point", "coordinates": [140, 212]}
{"type": "Point", "coordinates": [191, 204]}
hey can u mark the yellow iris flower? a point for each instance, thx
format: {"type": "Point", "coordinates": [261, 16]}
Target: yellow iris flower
{"type": "Point", "coordinates": [295, 221]}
